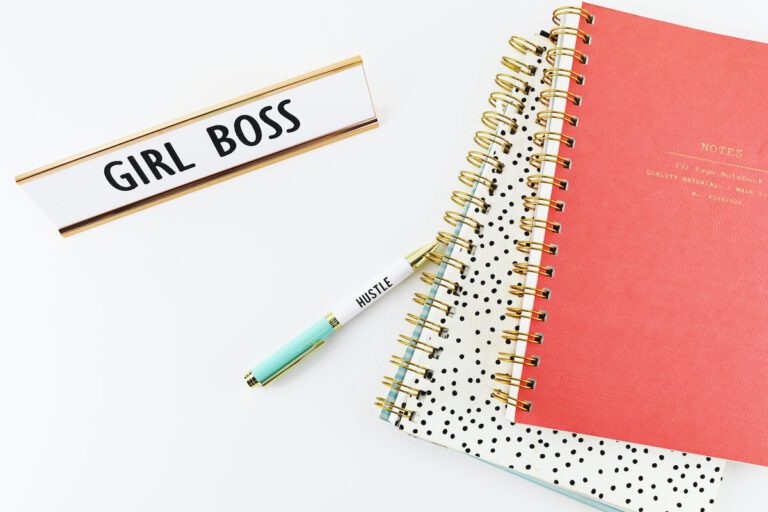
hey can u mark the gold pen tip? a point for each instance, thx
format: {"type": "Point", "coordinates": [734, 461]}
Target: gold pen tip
{"type": "Point", "coordinates": [250, 379]}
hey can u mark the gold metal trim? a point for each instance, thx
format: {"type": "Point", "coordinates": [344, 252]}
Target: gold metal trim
{"type": "Point", "coordinates": [426, 324]}
{"type": "Point", "coordinates": [551, 73]}
{"type": "Point", "coordinates": [426, 300]}
{"type": "Point", "coordinates": [526, 246]}
{"type": "Point", "coordinates": [523, 405]}
{"type": "Point", "coordinates": [470, 178]}
{"type": "Point", "coordinates": [418, 257]}
{"type": "Point", "coordinates": [462, 198]}
{"type": "Point", "coordinates": [410, 341]}
{"type": "Point", "coordinates": [333, 321]}
{"type": "Point", "coordinates": [448, 260]}
{"type": "Point", "coordinates": [525, 268]}
{"type": "Point", "coordinates": [569, 31]}
{"type": "Point", "coordinates": [493, 119]}
{"type": "Point", "coordinates": [521, 290]}
{"type": "Point", "coordinates": [543, 116]}
{"type": "Point", "coordinates": [382, 403]}
{"type": "Point", "coordinates": [534, 180]}
{"type": "Point", "coordinates": [529, 224]}
{"type": "Point", "coordinates": [507, 357]}
{"type": "Point", "coordinates": [293, 363]}
{"type": "Point", "coordinates": [456, 218]}
{"type": "Point", "coordinates": [411, 366]}
{"type": "Point", "coordinates": [531, 314]}
{"type": "Point", "coordinates": [518, 66]}
{"type": "Point", "coordinates": [478, 158]}
{"type": "Point", "coordinates": [512, 83]}
{"type": "Point", "coordinates": [539, 159]}
{"type": "Point", "coordinates": [568, 9]}
{"type": "Point", "coordinates": [539, 138]}
{"type": "Point", "coordinates": [486, 139]}
{"type": "Point", "coordinates": [401, 387]}
{"type": "Point", "coordinates": [527, 337]}
{"type": "Point", "coordinates": [509, 380]}
{"type": "Point", "coordinates": [531, 202]}
{"type": "Point", "coordinates": [452, 286]}
{"type": "Point", "coordinates": [524, 45]}
{"type": "Point", "coordinates": [547, 95]}
{"type": "Point", "coordinates": [575, 54]}
{"type": "Point", "coordinates": [447, 238]}
{"type": "Point", "coordinates": [504, 99]}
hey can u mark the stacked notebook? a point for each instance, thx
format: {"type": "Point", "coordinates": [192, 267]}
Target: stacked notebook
{"type": "Point", "coordinates": [594, 324]}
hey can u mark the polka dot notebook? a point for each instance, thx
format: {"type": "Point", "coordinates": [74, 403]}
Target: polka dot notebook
{"type": "Point", "coordinates": [454, 377]}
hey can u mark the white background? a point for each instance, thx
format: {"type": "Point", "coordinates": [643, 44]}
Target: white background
{"type": "Point", "coordinates": [122, 349]}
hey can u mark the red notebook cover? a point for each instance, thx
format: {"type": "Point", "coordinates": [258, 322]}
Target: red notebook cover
{"type": "Point", "coordinates": [657, 324]}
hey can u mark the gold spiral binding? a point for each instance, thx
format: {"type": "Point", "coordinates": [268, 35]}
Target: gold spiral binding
{"type": "Point", "coordinates": [525, 268]}
{"type": "Point", "coordinates": [478, 158]}
{"type": "Point", "coordinates": [534, 180]}
{"type": "Point", "coordinates": [531, 202]}
{"type": "Point", "coordinates": [547, 95]}
{"type": "Point", "coordinates": [571, 10]}
{"type": "Point", "coordinates": [512, 86]}
{"type": "Point", "coordinates": [456, 218]}
{"type": "Point", "coordinates": [524, 46]}
{"type": "Point", "coordinates": [538, 159]}
{"type": "Point", "coordinates": [569, 31]}
{"type": "Point", "coordinates": [462, 198]}
{"type": "Point", "coordinates": [527, 246]}
{"type": "Point", "coordinates": [573, 53]}
{"type": "Point", "coordinates": [410, 366]}
{"type": "Point", "coordinates": [427, 324]}
{"type": "Point", "coordinates": [400, 387]}
{"type": "Point", "coordinates": [518, 66]}
{"type": "Point", "coordinates": [536, 338]}
{"type": "Point", "coordinates": [412, 342]}
{"type": "Point", "coordinates": [471, 179]}
{"type": "Point", "coordinates": [446, 238]}
{"type": "Point", "coordinates": [531, 314]}
{"type": "Point", "coordinates": [385, 404]}
{"type": "Point", "coordinates": [504, 99]}
{"type": "Point", "coordinates": [520, 290]}
{"type": "Point", "coordinates": [508, 357]}
{"type": "Point", "coordinates": [509, 400]}
{"type": "Point", "coordinates": [426, 300]}
{"type": "Point", "coordinates": [512, 83]}
{"type": "Point", "coordinates": [529, 224]}
{"type": "Point", "coordinates": [452, 286]}
{"type": "Point", "coordinates": [439, 259]}
{"type": "Point", "coordinates": [493, 119]}
{"type": "Point", "coordinates": [539, 138]}
{"type": "Point", "coordinates": [486, 139]}
{"type": "Point", "coordinates": [551, 73]}
{"type": "Point", "coordinates": [544, 116]}
{"type": "Point", "coordinates": [509, 380]}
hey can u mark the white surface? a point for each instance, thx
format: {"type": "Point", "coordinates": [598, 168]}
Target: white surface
{"type": "Point", "coordinates": [327, 105]}
{"type": "Point", "coordinates": [123, 347]}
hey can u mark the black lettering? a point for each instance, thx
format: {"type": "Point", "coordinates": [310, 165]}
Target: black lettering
{"type": "Point", "coordinates": [175, 157]}
{"type": "Point", "coordinates": [254, 125]}
{"type": "Point", "coordinates": [154, 161]}
{"type": "Point", "coordinates": [138, 169]}
{"type": "Point", "coordinates": [293, 119]}
{"type": "Point", "coordinates": [386, 280]}
{"type": "Point", "coordinates": [360, 302]}
{"type": "Point", "coordinates": [273, 124]}
{"type": "Point", "coordinates": [218, 135]}
{"type": "Point", "coordinates": [372, 293]}
{"type": "Point", "coordinates": [131, 183]}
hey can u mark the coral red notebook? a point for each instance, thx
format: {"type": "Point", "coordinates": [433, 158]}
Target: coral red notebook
{"type": "Point", "coordinates": [648, 290]}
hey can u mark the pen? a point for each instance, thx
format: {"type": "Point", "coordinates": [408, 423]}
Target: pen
{"type": "Point", "coordinates": [314, 337]}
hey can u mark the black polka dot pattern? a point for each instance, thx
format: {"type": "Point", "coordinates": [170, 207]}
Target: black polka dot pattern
{"type": "Point", "coordinates": [455, 408]}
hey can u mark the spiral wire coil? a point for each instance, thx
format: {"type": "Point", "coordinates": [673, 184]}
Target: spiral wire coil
{"type": "Point", "coordinates": [544, 118]}
{"type": "Point", "coordinates": [513, 86]}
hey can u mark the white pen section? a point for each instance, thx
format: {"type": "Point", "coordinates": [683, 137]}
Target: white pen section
{"type": "Point", "coordinates": [371, 291]}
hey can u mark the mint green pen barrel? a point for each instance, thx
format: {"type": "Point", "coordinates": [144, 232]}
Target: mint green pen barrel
{"type": "Point", "coordinates": [288, 355]}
